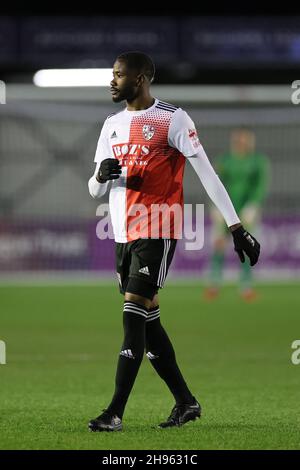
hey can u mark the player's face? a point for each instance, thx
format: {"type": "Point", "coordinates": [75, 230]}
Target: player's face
{"type": "Point", "coordinates": [125, 83]}
{"type": "Point", "coordinates": [242, 142]}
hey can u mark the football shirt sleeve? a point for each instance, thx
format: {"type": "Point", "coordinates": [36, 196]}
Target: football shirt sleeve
{"type": "Point", "coordinates": [103, 150]}
{"type": "Point", "coordinates": [183, 134]}
{"type": "Point", "coordinates": [213, 186]}
{"type": "Point", "coordinates": [97, 189]}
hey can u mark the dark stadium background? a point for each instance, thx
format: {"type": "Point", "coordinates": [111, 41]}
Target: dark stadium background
{"type": "Point", "coordinates": [57, 284]}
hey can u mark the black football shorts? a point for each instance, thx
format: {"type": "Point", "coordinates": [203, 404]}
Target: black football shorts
{"type": "Point", "coordinates": [142, 265]}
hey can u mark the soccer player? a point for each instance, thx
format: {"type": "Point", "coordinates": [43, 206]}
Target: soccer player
{"type": "Point", "coordinates": [245, 174]}
{"type": "Point", "coordinates": [143, 150]}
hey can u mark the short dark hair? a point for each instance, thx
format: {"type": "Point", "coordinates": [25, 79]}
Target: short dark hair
{"type": "Point", "coordinates": [140, 62]}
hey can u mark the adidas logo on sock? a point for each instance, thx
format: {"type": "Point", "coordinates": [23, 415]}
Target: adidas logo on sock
{"type": "Point", "coordinates": [151, 356]}
{"type": "Point", "coordinates": [127, 353]}
{"type": "Point", "coordinates": [144, 270]}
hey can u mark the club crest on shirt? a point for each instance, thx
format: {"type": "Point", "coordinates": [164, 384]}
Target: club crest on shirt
{"type": "Point", "coordinates": [194, 137]}
{"type": "Point", "coordinates": [148, 132]}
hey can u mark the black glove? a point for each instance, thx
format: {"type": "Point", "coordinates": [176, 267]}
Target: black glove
{"type": "Point", "coordinates": [245, 242]}
{"type": "Point", "coordinates": [110, 169]}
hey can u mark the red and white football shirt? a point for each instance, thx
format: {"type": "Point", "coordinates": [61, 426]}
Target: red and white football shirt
{"type": "Point", "coordinates": [151, 146]}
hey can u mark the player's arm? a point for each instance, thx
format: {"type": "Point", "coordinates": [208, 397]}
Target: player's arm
{"type": "Point", "coordinates": [107, 169]}
{"type": "Point", "coordinates": [183, 136]}
{"type": "Point", "coordinates": [214, 187]}
{"type": "Point", "coordinates": [260, 187]}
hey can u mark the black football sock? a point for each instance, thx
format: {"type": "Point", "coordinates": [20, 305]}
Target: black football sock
{"type": "Point", "coordinates": [161, 353]}
{"type": "Point", "coordinates": [131, 355]}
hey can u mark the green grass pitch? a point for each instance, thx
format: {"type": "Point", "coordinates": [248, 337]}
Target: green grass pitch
{"type": "Point", "coordinates": [62, 346]}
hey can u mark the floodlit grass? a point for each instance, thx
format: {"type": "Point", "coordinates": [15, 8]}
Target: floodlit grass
{"type": "Point", "coordinates": [62, 347]}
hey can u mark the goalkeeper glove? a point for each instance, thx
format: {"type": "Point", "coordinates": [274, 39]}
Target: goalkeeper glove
{"type": "Point", "coordinates": [244, 242]}
{"type": "Point", "coordinates": [110, 169]}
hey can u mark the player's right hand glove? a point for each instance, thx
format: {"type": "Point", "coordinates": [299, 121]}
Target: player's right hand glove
{"type": "Point", "coordinates": [110, 169]}
{"type": "Point", "coordinates": [244, 242]}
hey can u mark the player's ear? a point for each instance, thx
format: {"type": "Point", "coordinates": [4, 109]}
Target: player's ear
{"type": "Point", "coordinates": [140, 79]}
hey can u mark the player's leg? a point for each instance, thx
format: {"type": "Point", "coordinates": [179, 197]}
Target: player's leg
{"type": "Point", "coordinates": [162, 356]}
{"type": "Point", "coordinates": [146, 258]}
{"type": "Point", "coordinates": [250, 216]}
{"type": "Point", "coordinates": [136, 267]}
{"type": "Point", "coordinates": [246, 280]}
{"type": "Point", "coordinates": [132, 350]}
{"type": "Point", "coordinates": [218, 239]}
{"type": "Point", "coordinates": [151, 260]}
{"type": "Point", "coordinates": [135, 312]}
{"type": "Point", "coordinates": [149, 263]}
{"type": "Point", "coordinates": [157, 256]}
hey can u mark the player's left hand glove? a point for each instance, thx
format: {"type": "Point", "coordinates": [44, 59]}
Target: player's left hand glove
{"type": "Point", "coordinates": [244, 242]}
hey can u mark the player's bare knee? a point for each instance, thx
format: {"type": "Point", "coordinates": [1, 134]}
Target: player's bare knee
{"type": "Point", "coordinates": [220, 244]}
{"type": "Point", "coordinates": [138, 299]}
{"type": "Point", "coordinates": [154, 302]}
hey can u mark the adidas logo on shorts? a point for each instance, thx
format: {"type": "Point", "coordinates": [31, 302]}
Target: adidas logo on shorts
{"type": "Point", "coordinates": [144, 270]}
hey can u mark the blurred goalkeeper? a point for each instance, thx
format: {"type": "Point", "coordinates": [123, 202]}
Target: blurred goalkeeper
{"type": "Point", "coordinates": [244, 173]}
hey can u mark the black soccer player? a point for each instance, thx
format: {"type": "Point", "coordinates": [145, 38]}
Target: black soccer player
{"type": "Point", "coordinates": [141, 154]}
